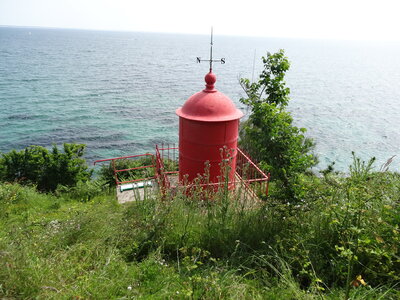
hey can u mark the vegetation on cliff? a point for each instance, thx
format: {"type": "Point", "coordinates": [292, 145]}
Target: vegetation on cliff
{"type": "Point", "coordinates": [343, 236]}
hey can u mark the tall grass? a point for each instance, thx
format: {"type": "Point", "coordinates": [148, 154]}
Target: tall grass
{"type": "Point", "coordinates": [340, 241]}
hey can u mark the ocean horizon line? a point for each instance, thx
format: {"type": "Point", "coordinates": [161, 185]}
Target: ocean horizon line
{"type": "Point", "coordinates": [207, 34]}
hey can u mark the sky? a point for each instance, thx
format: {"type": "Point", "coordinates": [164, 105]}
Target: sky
{"type": "Point", "coordinates": [338, 19]}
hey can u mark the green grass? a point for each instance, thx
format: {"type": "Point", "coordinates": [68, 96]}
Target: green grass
{"type": "Point", "coordinates": [70, 245]}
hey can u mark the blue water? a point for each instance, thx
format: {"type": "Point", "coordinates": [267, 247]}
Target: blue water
{"type": "Point", "coordinates": [117, 91]}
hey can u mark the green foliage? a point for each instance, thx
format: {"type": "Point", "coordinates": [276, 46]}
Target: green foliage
{"type": "Point", "coordinates": [348, 229]}
{"type": "Point", "coordinates": [84, 190]}
{"type": "Point", "coordinates": [360, 170]}
{"type": "Point", "coordinates": [343, 235]}
{"type": "Point", "coordinates": [106, 172]}
{"type": "Point", "coordinates": [268, 134]}
{"type": "Point", "coordinates": [45, 169]}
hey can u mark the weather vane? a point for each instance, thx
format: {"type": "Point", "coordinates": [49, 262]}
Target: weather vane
{"type": "Point", "coordinates": [211, 60]}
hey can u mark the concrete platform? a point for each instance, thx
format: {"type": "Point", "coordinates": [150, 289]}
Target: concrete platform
{"type": "Point", "coordinates": [138, 194]}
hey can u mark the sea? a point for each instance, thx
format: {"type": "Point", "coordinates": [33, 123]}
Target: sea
{"type": "Point", "coordinates": [117, 92]}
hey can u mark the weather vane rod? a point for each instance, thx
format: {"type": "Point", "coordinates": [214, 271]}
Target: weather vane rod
{"type": "Point", "coordinates": [211, 60]}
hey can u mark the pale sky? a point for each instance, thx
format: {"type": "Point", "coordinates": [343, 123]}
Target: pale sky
{"type": "Point", "coordinates": [338, 19]}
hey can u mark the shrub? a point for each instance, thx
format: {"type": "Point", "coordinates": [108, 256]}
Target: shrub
{"type": "Point", "coordinates": [46, 169]}
{"type": "Point", "coordinates": [268, 134]}
{"type": "Point", "coordinates": [106, 172]}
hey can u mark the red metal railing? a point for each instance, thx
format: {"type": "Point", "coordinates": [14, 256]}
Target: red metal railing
{"type": "Point", "coordinates": [161, 176]}
{"type": "Point", "coordinates": [168, 154]}
{"type": "Point", "coordinates": [116, 171]}
{"type": "Point", "coordinates": [165, 165]}
{"type": "Point", "coordinates": [247, 172]}
{"type": "Point", "coordinates": [250, 174]}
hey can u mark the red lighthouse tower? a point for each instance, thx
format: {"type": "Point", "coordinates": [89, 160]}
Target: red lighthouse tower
{"type": "Point", "coordinates": [208, 132]}
{"type": "Point", "coordinates": [208, 137]}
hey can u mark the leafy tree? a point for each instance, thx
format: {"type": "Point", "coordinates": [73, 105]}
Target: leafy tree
{"type": "Point", "coordinates": [268, 134]}
{"type": "Point", "coordinates": [44, 168]}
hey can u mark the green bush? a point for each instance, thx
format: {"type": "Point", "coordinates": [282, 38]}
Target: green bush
{"type": "Point", "coordinates": [45, 169]}
{"type": "Point", "coordinates": [106, 172]}
{"type": "Point", "coordinates": [268, 134]}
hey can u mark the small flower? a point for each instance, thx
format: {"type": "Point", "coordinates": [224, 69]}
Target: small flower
{"type": "Point", "coordinates": [129, 288]}
{"type": "Point", "coordinates": [359, 280]}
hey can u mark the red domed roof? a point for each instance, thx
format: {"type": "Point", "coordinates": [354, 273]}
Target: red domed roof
{"type": "Point", "coordinates": [209, 105]}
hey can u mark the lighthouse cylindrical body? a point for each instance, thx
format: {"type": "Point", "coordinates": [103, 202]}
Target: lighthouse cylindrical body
{"type": "Point", "coordinates": [204, 145]}
{"type": "Point", "coordinates": [208, 135]}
